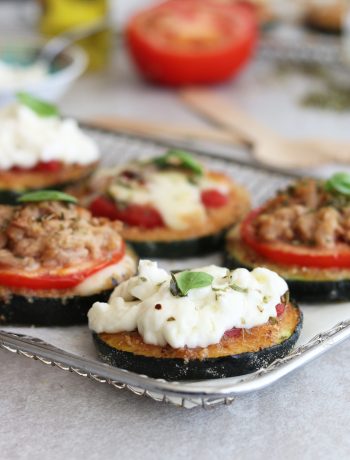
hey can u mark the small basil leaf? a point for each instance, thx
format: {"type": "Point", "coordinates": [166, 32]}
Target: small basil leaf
{"type": "Point", "coordinates": [46, 195]}
{"type": "Point", "coordinates": [340, 183]}
{"type": "Point", "coordinates": [181, 159]}
{"type": "Point", "coordinates": [187, 280]}
{"type": "Point", "coordinates": [41, 108]}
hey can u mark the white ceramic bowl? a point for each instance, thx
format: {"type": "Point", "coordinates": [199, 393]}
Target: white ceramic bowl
{"type": "Point", "coordinates": [65, 70]}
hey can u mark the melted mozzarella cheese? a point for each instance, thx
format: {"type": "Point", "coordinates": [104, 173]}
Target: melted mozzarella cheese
{"type": "Point", "coordinates": [106, 278]}
{"type": "Point", "coordinates": [171, 193]}
{"type": "Point", "coordinates": [237, 298]}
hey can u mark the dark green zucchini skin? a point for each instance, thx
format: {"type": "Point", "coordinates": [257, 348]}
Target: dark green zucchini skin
{"type": "Point", "coordinates": [305, 291]}
{"type": "Point", "coordinates": [180, 249]}
{"type": "Point", "coordinates": [8, 197]}
{"type": "Point", "coordinates": [48, 311]}
{"type": "Point", "coordinates": [195, 369]}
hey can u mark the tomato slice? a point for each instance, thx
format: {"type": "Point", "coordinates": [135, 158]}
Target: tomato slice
{"type": "Point", "coordinates": [187, 42]}
{"type": "Point", "coordinates": [212, 198]}
{"type": "Point", "coordinates": [134, 215]}
{"type": "Point", "coordinates": [234, 332]}
{"type": "Point", "coordinates": [57, 280]}
{"type": "Point", "coordinates": [287, 254]}
{"type": "Point", "coordinates": [47, 166]}
{"type": "Point", "coordinates": [280, 309]}
{"type": "Point", "coordinates": [102, 207]}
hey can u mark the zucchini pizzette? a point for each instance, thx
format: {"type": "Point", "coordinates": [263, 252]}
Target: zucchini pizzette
{"type": "Point", "coordinates": [303, 233]}
{"type": "Point", "coordinates": [40, 149]}
{"type": "Point", "coordinates": [56, 259]}
{"type": "Point", "coordinates": [199, 324]}
{"type": "Point", "coordinates": [171, 206]}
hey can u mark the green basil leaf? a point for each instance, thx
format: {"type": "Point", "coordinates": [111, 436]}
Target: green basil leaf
{"type": "Point", "coordinates": [46, 195]}
{"type": "Point", "coordinates": [339, 182]}
{"type": "Point", "coordinates": [41, 108]}
{"type": "Point", "coordinates": [187, 280]}
{"type": "Point", "coordinates": [181, 159]}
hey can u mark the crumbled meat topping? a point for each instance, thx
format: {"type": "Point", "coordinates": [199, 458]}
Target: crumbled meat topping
{"type": "Point", "coordinates": [305, 213]}
{"type": "Point", "coordinates": [51, 235]}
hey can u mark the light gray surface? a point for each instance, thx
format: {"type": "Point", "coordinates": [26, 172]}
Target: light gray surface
{"type": "Point", "coordinates": [47, 413]}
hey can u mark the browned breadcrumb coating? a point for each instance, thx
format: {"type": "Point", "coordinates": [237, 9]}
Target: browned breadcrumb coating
{"type": "Point", "coordinates": [53, 234]}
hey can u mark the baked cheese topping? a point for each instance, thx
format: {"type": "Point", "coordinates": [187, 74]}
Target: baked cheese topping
{"type": "Point", "coordinates": [146, 303]}
{"type": "Point", "coordinates": [27, 139]}
{"type": "Point", "coordinates": [107, 277]}
{"type": "Point", "coordinates": [172, 193]}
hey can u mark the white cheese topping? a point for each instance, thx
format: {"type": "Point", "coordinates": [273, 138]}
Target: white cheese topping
{"type": "Point", "coordinates": [237, 298]}
{"type": "Point", "coordinates": [27, 139]}
{"type": "Point", "coordinates": [171, 193]}
{"type": "Point", "coordinates": [106, 278]}
{"type": "Point", "coordinates": [14, 77]}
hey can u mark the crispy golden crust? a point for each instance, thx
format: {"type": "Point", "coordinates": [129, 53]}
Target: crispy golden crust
{"type": "Point", "coordinates": [250, 340]}
{"type": "Point", "coordinates": [218, 218]}
{"type": "Point", "coordinates": [26, 180]}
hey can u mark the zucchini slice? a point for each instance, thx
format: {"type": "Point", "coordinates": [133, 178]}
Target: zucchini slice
{"type": "Point", "coordinates": [48, 311]}
{"type": "Point", "coordinates": [180, 248]}
{"type": "Point", "coordinates": [45, 308]}
{"type": "Point", "coordinates": [233, 356]}
{"type": "Point", "coordinates": [306, 284]}
{"type": "Point", "coordinates": [12, 184]}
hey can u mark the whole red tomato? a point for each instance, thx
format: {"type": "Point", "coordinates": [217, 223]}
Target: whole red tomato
{"type": "Point", "coordinates": [182, 42]}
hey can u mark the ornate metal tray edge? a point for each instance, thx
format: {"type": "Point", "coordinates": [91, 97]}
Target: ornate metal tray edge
{"type": "Point", "coordinates": [183, 394]}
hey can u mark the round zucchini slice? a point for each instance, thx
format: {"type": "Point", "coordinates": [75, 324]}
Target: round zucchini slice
{"type": "Point", "coordinates": [252, 349]}
{"type": "Point", "coordinates": [180, 248]}
{"type": "Point", "coordinates": [14, 184]}
{"type": "Point", "coordinates": [306, 284]}
{"type": "Point", "coordinates": [44, 308]}
{"type": "Point", "coordinates": [48, 311]}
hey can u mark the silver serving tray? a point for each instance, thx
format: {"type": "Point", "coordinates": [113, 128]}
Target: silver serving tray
{"type": "Point", "coordinates": [324, 326]}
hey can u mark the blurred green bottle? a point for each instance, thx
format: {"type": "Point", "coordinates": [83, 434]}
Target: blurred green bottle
{"type": "Point", "coordinates": [60, 15]}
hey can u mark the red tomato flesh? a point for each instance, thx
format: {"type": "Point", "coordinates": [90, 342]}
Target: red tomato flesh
{"type": "Point", "coordinates": [134, 215]}
{"type": "Point", "coordinates": [48, 166]}
{"type": "Point", "coordinates": [287, 254]}
{"type": "Point", "coordinates": [191, 42]}
{"type": "Point", "coordinates": [212, 198]}
{"type": "Point", "coordinates": [234, 332]}
{"type": "Point", "coordinates": [280, 309]}
{"type": "Point", "coordinates": [56, 280]}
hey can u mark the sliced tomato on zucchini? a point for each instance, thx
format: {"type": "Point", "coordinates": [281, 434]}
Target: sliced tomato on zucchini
{"type": "Point", "coordinates": [212, 198]}
{"type": "Point", "coordinates": [288, 254]}
{"type": "Point", "coordinates": [133, 214]}
{"type": "Point", "coordinates": [62, 279]}
{"type": "Point", "coordinates": [45, 166]}
{"type": "Point", "coordinates": [189, 42]}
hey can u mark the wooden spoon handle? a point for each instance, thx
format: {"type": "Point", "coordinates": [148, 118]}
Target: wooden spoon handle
{"type": "Point", "coordinates": [164, 130]}
{"type": "Point", "coordinates": [226, 115]}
